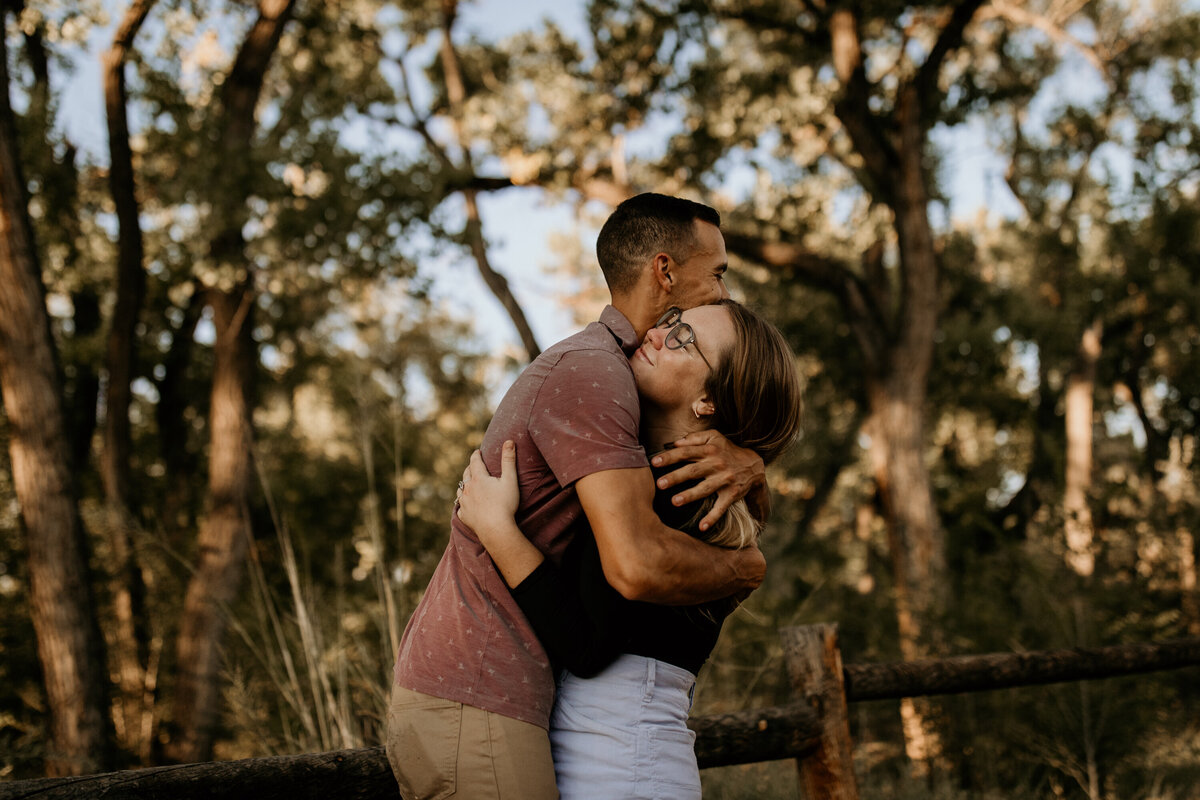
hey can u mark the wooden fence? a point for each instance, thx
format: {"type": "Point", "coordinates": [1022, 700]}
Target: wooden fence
{"type": "Point", "coordinates": [814, 729]}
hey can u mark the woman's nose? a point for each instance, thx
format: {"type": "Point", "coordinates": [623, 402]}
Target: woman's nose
{"type": "Point", "coordinates": [655, 336]}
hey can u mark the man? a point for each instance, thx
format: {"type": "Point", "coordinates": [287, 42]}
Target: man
{"type": "Point", "coordinates": [473, 687]}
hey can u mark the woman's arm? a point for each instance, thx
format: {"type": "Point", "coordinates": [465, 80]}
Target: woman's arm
{"type": "Point", "coordinates": [574, 612]}
{"type": "Point", "coordinates": [575, 619]}
{"type": "Point", "coordinates": [488, 507]}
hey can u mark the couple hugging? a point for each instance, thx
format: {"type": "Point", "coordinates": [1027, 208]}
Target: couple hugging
{"type": "Point", "coordinates": [557, 645]}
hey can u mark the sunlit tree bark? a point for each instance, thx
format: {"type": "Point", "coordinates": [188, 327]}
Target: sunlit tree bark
{"type": "Point", "coordinates": [60, 187]}
{"type": "Point", "coordinates": [68, 639]}
{"type": "Point", "coordinates": [1077, 523]}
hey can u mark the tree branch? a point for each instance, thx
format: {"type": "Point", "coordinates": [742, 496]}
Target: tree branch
{"type": "Point", "coordinates": [853, 106]}
{"type": "Point", "coordinates": [1010, 174]}
{"type": "Point", "coordinates": [1002, 9]}
{"type": "Point", "coordinates": [128, 589]}
{"type": "Point", "coordinates": [866, 319]}
{"type": "Point", "coordinates": [949, 39]}
{"type": "Point", "coordinates": [244, 84]}
{"type": "Point", "coordinates": [764, 23]}
{"type": "Point", "coordinates": [457, 94]}
{"type": "Point", "coordinates": [131, 278]}
{"type": "Point", "coordinates": [421, 122]}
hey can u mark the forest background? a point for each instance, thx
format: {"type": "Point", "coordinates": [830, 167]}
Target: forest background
{"type": "Point", "coordinates": [249, 338]}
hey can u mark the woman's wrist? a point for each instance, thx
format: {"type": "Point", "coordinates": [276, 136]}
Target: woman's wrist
{"type": "Point", "coordinates": [514, 555]}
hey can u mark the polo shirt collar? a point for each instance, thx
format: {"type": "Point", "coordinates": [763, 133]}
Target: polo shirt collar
{"type": "Point", "coordinates": [621, 329]}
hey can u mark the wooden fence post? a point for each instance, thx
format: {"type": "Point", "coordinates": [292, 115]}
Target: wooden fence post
{"type": "Point", "coordinates": [814, 666]}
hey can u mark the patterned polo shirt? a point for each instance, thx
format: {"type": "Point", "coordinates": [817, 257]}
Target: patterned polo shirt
{"type": "Point", "coordinates": [572, 412]}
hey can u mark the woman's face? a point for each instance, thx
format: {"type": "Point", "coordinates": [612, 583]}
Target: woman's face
{"type": "Point", "coordinates": [674, 379]}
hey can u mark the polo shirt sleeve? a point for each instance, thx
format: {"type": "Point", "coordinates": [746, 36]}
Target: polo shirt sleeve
{"type": "Point", "coordinates": [586, 415]}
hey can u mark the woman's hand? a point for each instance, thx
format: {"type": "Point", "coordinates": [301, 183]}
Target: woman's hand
{"type": "Point", "coordinates": [483, 500]}
{"type": "Point", "coordinates": [488, 506]}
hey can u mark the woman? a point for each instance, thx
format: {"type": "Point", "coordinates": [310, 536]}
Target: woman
{"type": "Point", "coordinates": [619, 724]}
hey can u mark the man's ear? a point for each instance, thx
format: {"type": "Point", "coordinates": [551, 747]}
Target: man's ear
{"type": "Point", "coordinates": [703, 407]}
{"type": "Point", "coordinates": [663, 272]}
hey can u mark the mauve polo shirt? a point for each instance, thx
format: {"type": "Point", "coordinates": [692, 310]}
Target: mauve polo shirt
{"type": "Point", "coordinates": [572, 412]}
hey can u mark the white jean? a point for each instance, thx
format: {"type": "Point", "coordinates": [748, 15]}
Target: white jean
{"type": "Point", "coordinates": [623, 734]}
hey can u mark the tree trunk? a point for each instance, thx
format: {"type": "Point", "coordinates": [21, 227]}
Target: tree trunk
{"type": "Point", "coordinates": [68, 639]}
{"type": "Point", "coordinates": [179, 505]}
{"type": "Point", "coordinates": [1077, 522]}
{"type": "Point", "coordinates": [81, 386]}
{"type": "Point", "coordinates": [898, 365]}
{"type": "Point", "coordinates": [225, 533]}
{"type": "Point", "coordinates": [128, 588]}
{"type": "Point", "coordinates": [893, 157]}
{"type": "Point", "coordinates": [914, 541]}
{"type": "Point", "coordinates": [82, 390]}
{"type": "Point", "coordinates": [1189, 596]}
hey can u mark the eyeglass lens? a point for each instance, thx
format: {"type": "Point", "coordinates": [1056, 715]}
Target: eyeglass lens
{"type": "Point", "coordinates": [680, 336]}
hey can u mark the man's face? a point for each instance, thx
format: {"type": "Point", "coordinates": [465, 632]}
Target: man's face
{"type": "Point", "coordinates": [700, 279]}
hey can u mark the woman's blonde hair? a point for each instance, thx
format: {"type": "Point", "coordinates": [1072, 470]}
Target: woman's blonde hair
{"type": "Point", "coordinates": [736, 528]}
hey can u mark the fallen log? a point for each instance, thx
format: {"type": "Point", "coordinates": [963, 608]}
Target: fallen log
{"type": "Point", "coordinates": [342, 773]}
{"type": "Point", "coordinates": [740, 737]}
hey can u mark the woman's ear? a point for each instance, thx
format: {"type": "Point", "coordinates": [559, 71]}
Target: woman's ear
{"type": "Point", "coordinates": [703, 407]}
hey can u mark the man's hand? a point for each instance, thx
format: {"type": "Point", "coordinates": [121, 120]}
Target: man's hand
{"type": "Point", "coordinates": [724, 469]}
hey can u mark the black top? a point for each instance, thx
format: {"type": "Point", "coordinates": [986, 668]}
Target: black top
{"type": "Point", "coordinates": [584, 624]}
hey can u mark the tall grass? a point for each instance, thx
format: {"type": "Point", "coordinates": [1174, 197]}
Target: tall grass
{"type": "Point", "coordinates": [325, 663]}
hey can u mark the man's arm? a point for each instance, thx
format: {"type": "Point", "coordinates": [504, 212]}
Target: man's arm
{"type": "Point", "coordinates": [647, 561]}
{"type": "Point", "coordinates": [724, 469]}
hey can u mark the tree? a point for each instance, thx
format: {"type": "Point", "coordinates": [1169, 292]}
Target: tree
{"type": "Point", "coordinates": [69, 644]}
{"type": "Point", "coordinates": [225, 533]}
{"type": "Point", "coordinates": [128, 588]}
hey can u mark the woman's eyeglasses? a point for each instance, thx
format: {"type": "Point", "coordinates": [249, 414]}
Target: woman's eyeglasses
{"type": "Point", "coordinates": [681, 334]}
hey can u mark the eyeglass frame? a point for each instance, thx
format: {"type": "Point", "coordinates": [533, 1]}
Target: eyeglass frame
{"type": "Point", "coordinates": [673, 316]}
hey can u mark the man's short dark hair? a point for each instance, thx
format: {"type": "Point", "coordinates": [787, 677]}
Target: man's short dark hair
{"type": "Point", "coordinates": [645, 225]}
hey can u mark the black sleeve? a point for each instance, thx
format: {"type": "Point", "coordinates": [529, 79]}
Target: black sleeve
{"type": "Point", "coordinates": [573, 610]}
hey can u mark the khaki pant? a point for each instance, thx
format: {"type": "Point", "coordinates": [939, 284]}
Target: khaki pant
{"type": "Point", "coordinates": [439, 748]}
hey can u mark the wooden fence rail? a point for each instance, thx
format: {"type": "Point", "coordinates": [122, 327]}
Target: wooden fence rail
{"type": "Point", "coordinates": [1005, 670]}
{"type": "Point", "coordinates": [813, 730]}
